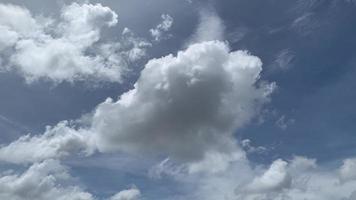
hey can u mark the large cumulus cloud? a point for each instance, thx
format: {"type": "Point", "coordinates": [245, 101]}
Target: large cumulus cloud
{"type": "Point", "coordinates": [184, 105]}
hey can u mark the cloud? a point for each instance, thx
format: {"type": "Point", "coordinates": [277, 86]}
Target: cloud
{"type": "Point", "coordinates": [49, 179]}
{"type": "Point", "coordinates": [283, 122]}
{"type": "Point", "coordinates": [41, 181]}
{"type": "Point", "coordinates": [57, 142]}
{"type": "Point", "coordinates": [67, 49]}
{"type": "Point", "coordinates": [300, 163]}
{"type": "Point", "coordinates": [306, 24]}
{"type": "Point", "coordinates": [284, 60]}
{"type": "Point", "coordinates": [17, 21]}
{"type": "Point", "coordinates": [130, 194]}
{"type": "Point", "coordinates": [246, 145]}
{"type": "Point", "coordinates": [210, 27]}
{"type": "Point", "coordinates": [298, 179]}
{"type": "Point", "coordinates": [186, 105]}
{"type": "Point", "coordinates": [348, 170]}
{"type": "Point", "coordinates": [158, 32]}
{"type": "Point", "coordinates": [274, 179]}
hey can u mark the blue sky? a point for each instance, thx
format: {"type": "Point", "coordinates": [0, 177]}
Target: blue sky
{"type": "Point", "coordinates": [177, 99]}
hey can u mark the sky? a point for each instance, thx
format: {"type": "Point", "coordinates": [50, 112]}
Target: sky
{"type": "Point", "coordinates": [177, 100]}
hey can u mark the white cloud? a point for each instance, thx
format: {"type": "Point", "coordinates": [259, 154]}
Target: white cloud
{"type": "Point", "coordinates": [298, 179]}
{"type": "Point", "coordinates": [184, 106]}
{"type": "Point", "coordinates": [274, 179]}
{"type": "Point", "coordinates": [132, 47]}
{"type": "Point", "coordinates": [56, 142]}
{"type": "Point", "coordinates": [57, 50]}
{"type": "Point", "coordinates": [210, 27]}
{"type": "Point", "coordinates": [167, 168]}
{"type": "Point", "coordinates": [348, 170]}
{"type": "Point", "coordinates": [246, 145]}
{"type": "Point", "coordinates": [215, 162]}
{"type": "Point", "coordinates": [158, 33]}
{"type": "Point", "coordinates": [42, 181]}
{"type": "Point", "coordinates": [212, 163]}
{"type": "Point", "coordinates": [50, 180]}
{"type": "Point", "coordinates": [300, 163]}
{"type": "Point", "coordinates": [130, 194]}
{"type": "Point", "coordinates": [18, 20]}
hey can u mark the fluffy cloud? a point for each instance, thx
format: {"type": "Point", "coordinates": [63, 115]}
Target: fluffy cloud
{"type": "Point", "coordinates": [158, 32]}
{"type": "Point", "coordinates": [274, 179]}
{"type": "Point", "coordinates": [56, 142]}
{"type": "Point", "coordinates": [186, 105]}
{"type": "Point", "coordinates": [57, 50]}
{"type": "Point", "coordinates": [348, 170]}
{"type": "Point", "coordinates": [42, 181]}
{"type": "Point", "coordinates": [16, 21]}
{"type": "Point", "coordinates": [130, 194]}
{"type": "Point", "coordinates": [50, 180]}
{"type": "Point", "coordinates": [298, 179]}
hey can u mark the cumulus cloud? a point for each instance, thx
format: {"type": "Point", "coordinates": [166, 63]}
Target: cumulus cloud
{"type": "Point", "coordinates": [348, 170]}
{"type": "Point", "coordinates": [58, 50]}
{"type": "Point", "coordinates": [130, 194]}
{"type": "Point", "coordinates": [274, 179]}
{"type": "Point", "coordinates": [158, 33]}
{"type": "Point", "coordinates": [41, 181]}
{"type": "Point", "coordinates": [300, 163]}
{"type": "Point", "coordinates": [56, 142]}
{"type": "Point", "coordinates": [186, 105]}
{"type": "Point", "coordinates": [49, 179]}
{"type": "Point", "coordinates": [298, 179]}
